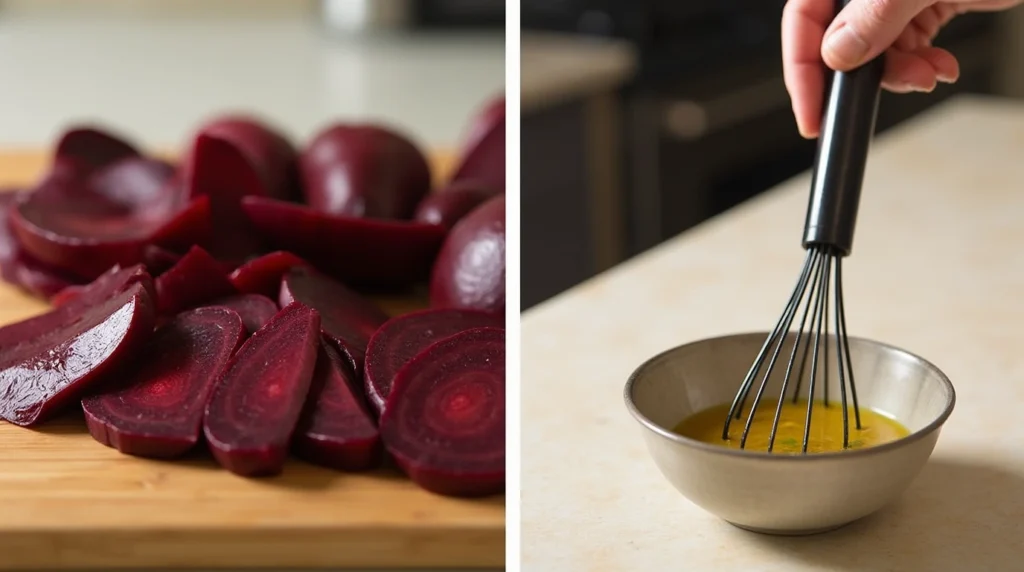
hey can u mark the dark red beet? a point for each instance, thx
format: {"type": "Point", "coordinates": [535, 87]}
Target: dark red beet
{"type": "Point", "coordinates": [403, 337]}
{"type": "Point", "coordinates": [360, 252]}
{"type": "Point", "coordinates": [53, 367]}
{"type": "Point", "coordinates": [470, 269]}
{"type": "Point", "coordinates": [270, 153]}
{"type": "Point", "coordinates": [111, 282]}
{"type": "Point", "coordinates": [159, 260]}
{"type": "Point", "coordinates": [256, 403]}
{"type": "Point", "coordinates": [336, 430]}
{"type": "Point", "coordinates": [92, 148]}
{"type": "Point", "coordinates": [447, 206]}
{"type": "Point", "coordinates": [256, 310]}
{"type": "Point", "coordinates": [347, 318]}
{"type": "Point", "coordinates": [20, 269]}
{"type": "Point", "coordinates": [219, 170]}
{"type": "Point", "coordinates": [263, 275]}
{"type": "Point", "coordinates": [444, 422]}
{"type": "Point", "coordinates": [140, 183]}
{"type": "Point", "coordinates": [363, 171]}
{"type": "Point", "coordinates": [483, 155]}
{"type": "Point", "coordinates": [196, 278]}
{"type": "Point", "coordinates": [157, 411]}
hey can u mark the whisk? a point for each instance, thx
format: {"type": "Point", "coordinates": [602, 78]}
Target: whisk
{"type": "Point", "coordinates": [848, 123]}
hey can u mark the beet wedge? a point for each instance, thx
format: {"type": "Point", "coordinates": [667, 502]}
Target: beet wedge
{"type": "Point", "coordinates": [109, 283]}
{"type": "Point", "coordinates": [347, 318]}
{"type": "Point", "coordinates": [483, 155]}
{"type": "Point", "coordinates": [158, 411]}
{"type": "Point", "coordinates": [262, 275]}
{"type": "Point", "coordinates": [336, 429]}
{"type": "Point", "coordinates": [195, 279]}
{"type": "Point", "coordinates": [254, 309]}
{"type": "Point", "coordinates": [271, 154]}
{"type": "Point", "coordinates": [20, 269]}
{"type": "Point", "coordinates": [53, 368]}
{"type": "Point", "coordinates": [90, 147]}
{"type": "Point", "coordinates": [256, 403]}
{"type": "Point", "coordinates": [359, 252]}
{"type": "Point", "coordinates": [444, 422]}
{"type": "Point", "coordinates": [403, 337]}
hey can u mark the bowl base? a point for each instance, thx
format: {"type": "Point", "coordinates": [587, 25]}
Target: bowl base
{"type": "Point", "coordinates": [789, 532]}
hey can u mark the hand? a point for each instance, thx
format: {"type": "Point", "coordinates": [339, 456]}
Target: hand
{"type": "Point", "coordinates": [902, 29]}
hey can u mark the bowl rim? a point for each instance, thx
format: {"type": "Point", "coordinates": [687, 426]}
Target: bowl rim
{"type": "Point", "coordinates": [719, 450]}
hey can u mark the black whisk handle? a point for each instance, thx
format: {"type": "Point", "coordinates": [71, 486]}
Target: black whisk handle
{"type": "Point", "coordinates": [847, 126]}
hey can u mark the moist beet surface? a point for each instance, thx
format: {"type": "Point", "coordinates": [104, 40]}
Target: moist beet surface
{"type": "Point", "coordinates": [92, 148]}
{"type": "Point", "coordinates": [403, 337]}
{"type": "Point", "coordinates": [52, 368]}
{"type": "Point", "coordinates": [157, 411]}
{"type": "Point", "coordinates": [360, 252]}
{"type": "Point", "coordinates": [447, 206]}
{"type": "Point", "coordinates": [256, 403]}
{"type": "Point", "coordinates": [220, 170]}
{"type": "Point", "coordinates": [262, 275]}
{"type": "Point", "coordinates": [271, 153]}
{"type": "Point", "coordinates": [196, 278]}
{"type": "Point", "coordinates": [444, 422]}
{"type": "Point", "coordinates": [140, 183]}
{"type": "Point", "coordinates": [470, 269]}
{"type": "Point", "coordinates": [363, 170]}
{"type": "Point", "coordinates": [18, 267]}
{"type": "Point", "coordinates": [483, 154]}
{"type": "Point", "coordinates": [347, 318]}
{"type": "Point", "coordinates": [336, 429]}
{"type": "Point", "coordinates": [254, 309]}
{"type": "Point", "coordinates": [111, 282]}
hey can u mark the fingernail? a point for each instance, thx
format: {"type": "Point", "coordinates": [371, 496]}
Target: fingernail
{"type": "Point", "coordinates": [846, 47]}
{"type": "Point", "coordinates": [946, 78]}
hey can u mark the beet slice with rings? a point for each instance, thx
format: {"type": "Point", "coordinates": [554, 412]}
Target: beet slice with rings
{"type": "Point", "coordinates": [262, 275]}
{"type": "Point", "coordinates": [271, 153]}
{"type": "Point", "coordinates": [347, 318]}
{"type": "Point", "coordinates": [255, 309]}
{"type": "Point", "coordinates": [360, 252]}
{"type": "Point", "coordinates": [92, 148]}
{"type": "Point", "coordinates": [109, 283]}
{"type": "Point", "coordinates": [196, 278]}
{"type": "Point", "coordinates": [336, 429]}
{"type": "Point", "coordinates": [403, 337]}
{"type": "Point", "coordinates": [483, 155]}
{"type": "Point", "coordinates": [444, 422]}
{"type": "Point", "coordinates": [157, 411]}
{"type": "Point", "coordinates": [363, 170]}
{"type": "Point", "coordinates": [447, 206]}
{"type": "Point", "coordinates": [219, 170]}
{"type": "Point", "coordinates": [20, 269]}
{"type": "Point", "coordinates": [54, 367]}
{"type": "Point", "coordinates": [256, 403]}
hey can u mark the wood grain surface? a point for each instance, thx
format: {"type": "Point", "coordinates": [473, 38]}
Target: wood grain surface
{"type": "Point", "coordinates": [69, 502]}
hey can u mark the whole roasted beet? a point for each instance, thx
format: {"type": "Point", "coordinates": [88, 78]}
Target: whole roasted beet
{"type": "Point", "coordinates": [470, 269]}
{"type": "Point", "coordinates": [364, 170]}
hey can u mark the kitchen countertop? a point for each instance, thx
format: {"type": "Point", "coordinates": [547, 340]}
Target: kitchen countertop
{"type": "Point", "coordinates": [937, 269]}
{"type": "Point", "coordinates": [156, 78]}
{"type": "Point", "coordinates": [556, 67]}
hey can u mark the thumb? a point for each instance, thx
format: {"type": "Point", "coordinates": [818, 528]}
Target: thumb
{"type": "Point", "coordinates": [865, 29]}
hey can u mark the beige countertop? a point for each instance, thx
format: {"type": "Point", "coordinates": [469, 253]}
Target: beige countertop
{"type": "Point", "coordinates": [937, 268]}
{"type": "Point", "coordinates": [556, 68]}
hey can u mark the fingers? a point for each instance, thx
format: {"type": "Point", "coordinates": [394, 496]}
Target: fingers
{"type": "Point", "coordinates": [803, 26]}
{"type": "Point", "coordinates": [866, 28]}
{"type": "Point", "coordinates": [919, 70]}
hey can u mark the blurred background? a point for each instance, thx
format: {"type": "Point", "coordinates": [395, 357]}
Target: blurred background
{"type": "Point", "coordinates": [154, 69]}
{"type": "Point", "coordinates": [643, 118]}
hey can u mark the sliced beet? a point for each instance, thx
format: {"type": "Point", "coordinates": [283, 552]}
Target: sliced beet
{"type": "Point", "coordinates": [17, 267]}
{"type": "Point", "coordinates": [271, 153]}
{"type": "Point", "coordinates": [262, 275]}
{"type": "Point", "coordinates": [358, 251]}
{"type": "Point", "coordinates": [336, 429]}
{"type": "Point", "coordinates": [92, 148]}
{"type": "Point", "coordinates": [444, 422]}
{"type": "Point", "coordinates": [470, 269]}
{"type": "Point", "coordinates": [141, 183]}
{"type": "Point", "coordinates": [403, 337]}
{"type": "Point", "coordinates": [447, 206]}
{"type": "Point", "coordinates": [347, 318]}
{"type": "Point", "coordinates": [50, 368]}
{"type": "Point", "coordinates": [256, 403]}
{"type": "Point", "coordinates": [218, 169]}
{"type": "Point", "coordinates": [363, 170]}
{"type": "Point", "coordinates": [195, 279]}
{"type": "Point", "coordinates": [255, 309]}
{"type": "Point", "coordinates": [483, 153]}
{"type": "Point", "coordinates": [157, 411]}
{"type": "Point", "coordinates": [159, 260]}
{"type": "Point", "coordinates": [111, 282]}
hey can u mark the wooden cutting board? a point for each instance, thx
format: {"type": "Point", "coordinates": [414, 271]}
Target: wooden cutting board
{"type": "Point", "coordinates": [69, 502]}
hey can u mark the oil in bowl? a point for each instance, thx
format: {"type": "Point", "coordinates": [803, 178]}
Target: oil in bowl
{"type": "Point", "coordinates": [825, 435]}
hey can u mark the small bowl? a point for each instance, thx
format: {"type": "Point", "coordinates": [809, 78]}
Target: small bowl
{"type": "Point", "coordinates": [787, 494]}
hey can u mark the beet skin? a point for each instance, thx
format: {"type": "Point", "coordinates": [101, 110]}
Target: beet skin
{"type": "Point", "coordinates": [470, 270]}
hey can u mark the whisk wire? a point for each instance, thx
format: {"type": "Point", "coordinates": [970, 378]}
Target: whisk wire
{"type": "Point", "coordinates": [841, 327]}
